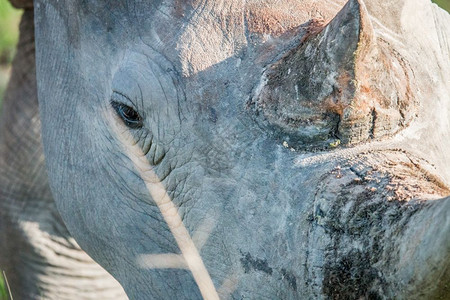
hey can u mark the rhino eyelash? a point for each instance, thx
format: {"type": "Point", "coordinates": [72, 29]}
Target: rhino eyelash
{"type": "Point", "coordinates": [130, 117]}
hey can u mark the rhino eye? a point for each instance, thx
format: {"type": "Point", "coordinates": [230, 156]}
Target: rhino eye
{"type": "Point", "coordinates": [129, 116]}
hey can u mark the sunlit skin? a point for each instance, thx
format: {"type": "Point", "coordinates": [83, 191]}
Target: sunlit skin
{"type": "Point", "coordinates": [239, 149]}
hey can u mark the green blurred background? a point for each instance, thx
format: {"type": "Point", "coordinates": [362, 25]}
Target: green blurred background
{"type": "Point", "coordinates": [9, 33]}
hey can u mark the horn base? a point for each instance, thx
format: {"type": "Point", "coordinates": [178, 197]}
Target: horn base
{"type": "Point", "coordinates": [340, 83]}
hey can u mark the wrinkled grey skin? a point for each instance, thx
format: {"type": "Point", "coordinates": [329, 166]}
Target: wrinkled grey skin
{"type": "Point", "coordinates": [38, 255]}
{"type": "Point", "coordinates": [275, 210]}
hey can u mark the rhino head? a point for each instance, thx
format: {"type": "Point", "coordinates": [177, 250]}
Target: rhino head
{"type": "Point", "coordinates": [251, 149]}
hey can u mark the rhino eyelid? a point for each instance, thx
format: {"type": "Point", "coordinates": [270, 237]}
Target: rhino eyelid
{"type": "Point", "coordinates": [121, 98]}
{"type": "Point", "coordinates": [130, 117]}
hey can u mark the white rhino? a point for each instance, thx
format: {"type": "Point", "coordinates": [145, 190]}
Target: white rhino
{"type": "Point", "coordinates": [232, 149]}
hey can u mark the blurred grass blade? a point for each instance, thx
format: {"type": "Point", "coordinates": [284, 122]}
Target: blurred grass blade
{"type": "Point", "coordinates": [7, 286]}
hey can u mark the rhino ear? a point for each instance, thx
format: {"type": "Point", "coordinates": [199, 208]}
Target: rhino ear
{"type": "Point", "coordinates": [340, 82]}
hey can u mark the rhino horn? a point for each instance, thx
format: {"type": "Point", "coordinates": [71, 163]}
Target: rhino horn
{"type": "Point", "coordinates": [340, 82]}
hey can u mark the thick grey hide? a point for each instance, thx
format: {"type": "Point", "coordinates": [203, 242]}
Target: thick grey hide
{"type": "Point", "coordinates": [37, 254]}
{"type": "Point", "coordinates": [275, 211]}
